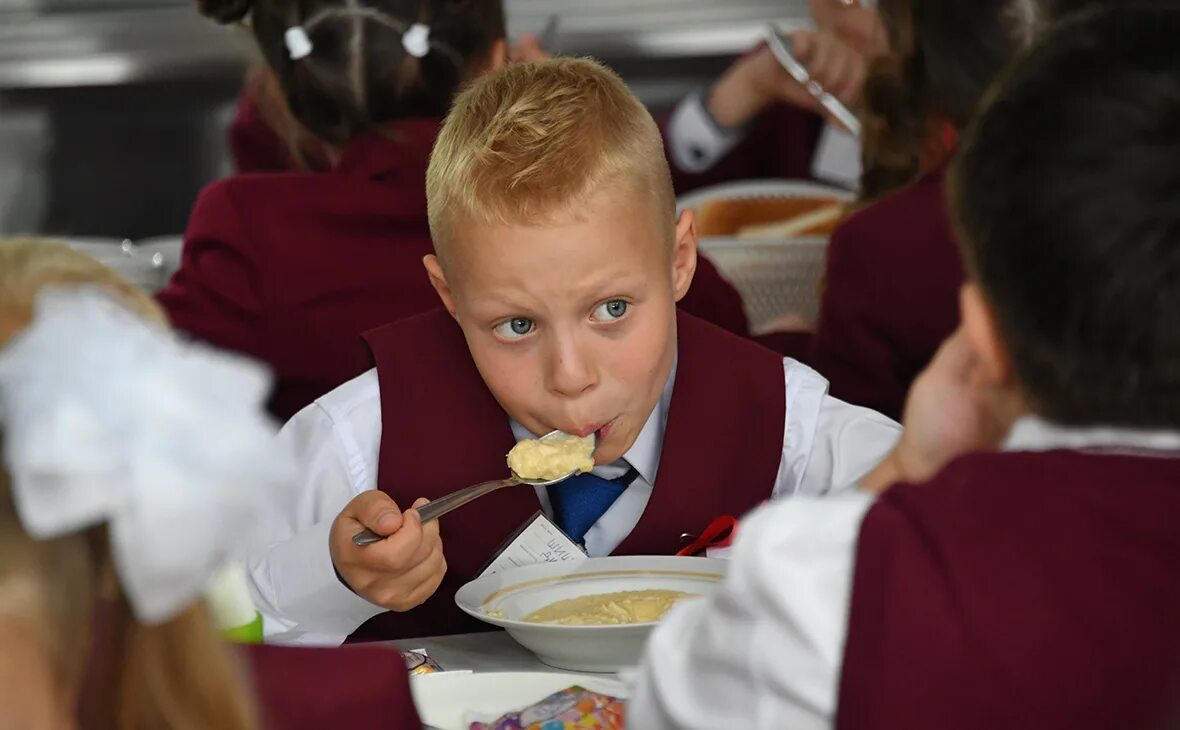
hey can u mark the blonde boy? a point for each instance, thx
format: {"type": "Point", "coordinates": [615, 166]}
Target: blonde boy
{"type": "Point", "coordinates": [560, 259]}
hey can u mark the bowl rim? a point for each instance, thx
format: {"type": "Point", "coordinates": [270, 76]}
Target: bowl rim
{"type": "Point", "coordinates": [476, 609]}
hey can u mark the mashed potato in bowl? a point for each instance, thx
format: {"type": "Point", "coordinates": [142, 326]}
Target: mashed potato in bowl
{"type": "Point", "coordinates": [552, 457]}
{"type": "Point", "coordinates": [508, 598]}
{"type": "Point", "coordinates": [623, 607]}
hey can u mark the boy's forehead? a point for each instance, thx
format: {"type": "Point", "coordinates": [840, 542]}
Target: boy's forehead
{"type": "Point", "coordinates": [610, 233]}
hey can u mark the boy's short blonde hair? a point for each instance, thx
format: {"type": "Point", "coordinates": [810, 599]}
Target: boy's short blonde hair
{"type": "Point", "coordinates": [533, 140]}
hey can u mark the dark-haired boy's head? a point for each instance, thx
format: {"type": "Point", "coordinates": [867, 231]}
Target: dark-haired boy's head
{"type": "Point", "coordinates": [1067, 200]}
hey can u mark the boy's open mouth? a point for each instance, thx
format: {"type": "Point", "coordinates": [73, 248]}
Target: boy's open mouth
{"type": "Point", "coordinates": [600, 432]}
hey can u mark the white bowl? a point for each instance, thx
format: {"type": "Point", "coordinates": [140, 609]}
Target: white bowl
{"type": "Point", "coordinates": [443, 699]}
{"type": "Point", "coordinates": [518, 592]}
{"type": "Point", "coordinates": [769, 188]}
{"type": "Point", "coordinates": [774, 276]}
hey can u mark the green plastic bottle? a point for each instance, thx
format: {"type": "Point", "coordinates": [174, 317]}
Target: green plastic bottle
{"type": "Point", "coordinates": [228, 599]}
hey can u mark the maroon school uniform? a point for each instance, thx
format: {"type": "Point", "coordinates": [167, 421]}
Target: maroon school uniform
{"type": "Point", "coordinates": [891, 296]}
{"type": "Point", "coordinates": [1024, 591]}
{"type": "Point", "coordinates": [299, 688]}
{"type": "Point", "coordinates": [778, 143]}
{"type": "Point", "coordinates": [253, 143]}
{"type": "Point", "coordinates": [721, 452]}
{"type": "Point", "coordinates": [291, 267]}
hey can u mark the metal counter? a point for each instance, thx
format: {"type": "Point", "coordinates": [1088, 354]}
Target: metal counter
{"type": "Point", "coordinates": [113, 112]}
{"type": "Point", "coordinates": [47, 45]}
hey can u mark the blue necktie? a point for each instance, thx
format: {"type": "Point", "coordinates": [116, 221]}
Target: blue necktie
{"type": "Point", "coordinates": [579, 501]}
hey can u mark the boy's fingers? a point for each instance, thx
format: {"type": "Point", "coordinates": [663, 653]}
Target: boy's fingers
{"type": "Point", "coordinates": [822, 63]}
{"type": "Point", "coordinates": [426, 577]}
{"type": "Point", "coordinates": [802, 45]}
{"type": "Point", "coordinates": [414, 585]}
{"type": "Point", "coordinates": [855, 85]}
{"type": "Point", "coordinates": [955, 356]}
{"type": "Point", "coordinates": [429, 529]}
{"type": "Point", "coordinates": [398, 551]}
{"type": "Point", "coordinates": [376, 511]}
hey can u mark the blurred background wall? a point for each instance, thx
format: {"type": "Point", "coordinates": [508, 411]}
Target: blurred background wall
{"type": "Point", "coordinates": [113, 112]}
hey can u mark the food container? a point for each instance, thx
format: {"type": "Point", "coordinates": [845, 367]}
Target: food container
{"type": "Point", "coordinates": [505, 598]}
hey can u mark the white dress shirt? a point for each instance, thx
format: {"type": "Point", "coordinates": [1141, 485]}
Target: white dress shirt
{"type": "Point", "coordinates": [828, 445]}
{"type": "Point", "coordinates": [766, 651]}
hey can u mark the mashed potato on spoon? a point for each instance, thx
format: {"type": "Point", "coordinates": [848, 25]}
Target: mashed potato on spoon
{"type": "Point", "coordinates": [552, 457]}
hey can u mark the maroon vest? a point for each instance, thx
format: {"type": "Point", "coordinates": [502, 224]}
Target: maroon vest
{"type": "Point", "coordinates": [721, 453]}
{"type": "Point", "coordinates": [1019, 591]}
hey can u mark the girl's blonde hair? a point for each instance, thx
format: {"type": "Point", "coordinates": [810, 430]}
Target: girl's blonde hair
{"type": "Point", "coordinates": [175, 676]}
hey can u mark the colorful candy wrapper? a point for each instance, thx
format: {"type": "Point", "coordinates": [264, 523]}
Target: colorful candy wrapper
{"type": "Point", "coordinates": [576, 708]}
{"type": "Point", "coordinates": [419, 662]}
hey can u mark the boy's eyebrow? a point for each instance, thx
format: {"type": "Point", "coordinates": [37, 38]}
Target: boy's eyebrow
{"type": "Point", "coordinates": [508, 298]}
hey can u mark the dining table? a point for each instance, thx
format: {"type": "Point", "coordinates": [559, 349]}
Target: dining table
{"type": "Point", "coordinates": [485, 651]}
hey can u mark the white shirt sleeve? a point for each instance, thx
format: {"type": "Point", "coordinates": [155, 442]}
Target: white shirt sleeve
{"type": "Point", "coordinates": [695, 140]}
{"type": "Point", "coordinates": [828, 445]}
{"type": "Point", "coordinates": [765, 651]}
{"type": "Point", "coordinates": [294, 584]}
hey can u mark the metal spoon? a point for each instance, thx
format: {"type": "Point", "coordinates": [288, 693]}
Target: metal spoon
{"type": "Point", "coordinates": [455, 500]}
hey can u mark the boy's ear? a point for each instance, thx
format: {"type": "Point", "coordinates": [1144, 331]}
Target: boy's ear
{"type": "Point", "coordinates": [983, 332]}
{"type": "Point", "coordinates": [684, 253]}
{"type": "Point", "coordinates": [438, 280]}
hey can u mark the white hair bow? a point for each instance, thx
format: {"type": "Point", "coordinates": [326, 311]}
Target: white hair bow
{"type": "Point", "coordinates": [416, 40]}
{"type": "Point", "coordinates": [108, 418]}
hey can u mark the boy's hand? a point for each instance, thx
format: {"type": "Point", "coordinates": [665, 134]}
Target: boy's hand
{"type": "Point", "coordinates": [951, 410]}
{"type": "Point", "coordinates": [759, 80]}
{"type": "Point", "coordinates": [401, 571]}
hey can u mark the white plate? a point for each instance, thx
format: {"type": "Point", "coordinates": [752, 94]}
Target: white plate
{"type": "Point", "coordinates": [442, 699]}
{"type": "Point", "coordinates": [520, 591]}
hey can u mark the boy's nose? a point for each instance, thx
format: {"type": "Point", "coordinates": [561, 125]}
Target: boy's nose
{"type": "Point", "coordinates": [571, 372]}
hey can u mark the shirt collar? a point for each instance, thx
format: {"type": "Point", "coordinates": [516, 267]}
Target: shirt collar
{"type": "Point", "coordinates": [645, 453]}
{"type": "Point", "coordinates": [1037, 434]}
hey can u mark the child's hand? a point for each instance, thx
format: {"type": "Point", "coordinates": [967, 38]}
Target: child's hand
{"type": "Point", "coordinates": [759, 80]}
{"type": "Point", "coordinates": [952, 410]}
{"type": "Point", "coordinates": [831, 63]}
{"type": "Point", "coordinates": [528, 48]}
{"type": "Point", "coordinates": [401, 571]}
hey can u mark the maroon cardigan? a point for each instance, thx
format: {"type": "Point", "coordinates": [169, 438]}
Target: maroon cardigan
{"type": "Point", "coordinates": [290, 267]}
{"type": "Point", "coordinates": [890, 298]}
{"type": "Point", "coordinates": [1024, 591]}
{"type": "Point", "coordinates": [720, 456]}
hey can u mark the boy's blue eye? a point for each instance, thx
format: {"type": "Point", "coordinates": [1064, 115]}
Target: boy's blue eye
{"type": "Point", "coordinates": [515, 328]}
{"type": "Point", "coordinates": [614, 309]}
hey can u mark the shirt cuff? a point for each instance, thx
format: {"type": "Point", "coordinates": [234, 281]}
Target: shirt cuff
{"type": "Point", "coordinates": [696, 141]}
{"type": "Point", "coordinates": [301, 599]}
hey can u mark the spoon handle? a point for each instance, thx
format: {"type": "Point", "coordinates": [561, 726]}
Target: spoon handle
{"type": "Point", "coordinates": [442, 505]}
{"type": "Point", "coordinates": [455, 500]}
